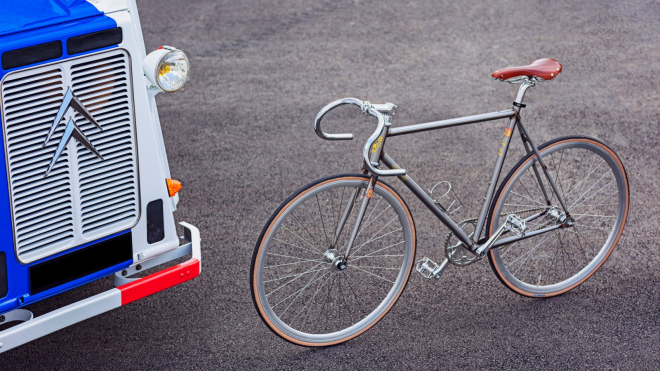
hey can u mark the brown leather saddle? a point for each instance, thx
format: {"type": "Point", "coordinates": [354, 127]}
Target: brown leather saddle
{"type": "Point", "coordinates": [544, 69]}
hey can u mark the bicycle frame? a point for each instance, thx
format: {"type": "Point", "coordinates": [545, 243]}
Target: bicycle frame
{"type": "Point", "coordinates": [374, 154]}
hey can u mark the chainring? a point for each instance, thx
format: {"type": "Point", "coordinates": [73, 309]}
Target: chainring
{"type": "Point", "coordinates": [456, 253]}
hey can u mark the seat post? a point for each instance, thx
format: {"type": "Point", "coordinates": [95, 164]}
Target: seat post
{"type": "Point", "coordinates": [526, 84]}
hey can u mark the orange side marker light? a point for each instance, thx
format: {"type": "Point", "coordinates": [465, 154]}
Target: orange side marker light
{"type": "Point", "coordinates": [173, 186]}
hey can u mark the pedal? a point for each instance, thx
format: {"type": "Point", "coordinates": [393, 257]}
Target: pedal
{"type": "Point", "coordinates": [516, 225]}
{"type": "Point", "coordinates": [430, 269]}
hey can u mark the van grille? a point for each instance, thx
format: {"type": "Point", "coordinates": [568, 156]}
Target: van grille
{"type": "Point", "coordinates": [83, 198]}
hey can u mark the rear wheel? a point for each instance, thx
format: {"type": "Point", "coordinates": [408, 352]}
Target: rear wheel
{"type": "Point", "coordinates": [298, 286]}
{"type": "Point", "coordinates": [593, 183]}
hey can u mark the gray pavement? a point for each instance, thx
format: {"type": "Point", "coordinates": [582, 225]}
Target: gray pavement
{"type": "Point", "coordinates": [240, 138]}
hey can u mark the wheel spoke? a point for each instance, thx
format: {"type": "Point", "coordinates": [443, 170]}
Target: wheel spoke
{"type": "Point", "coordinates": [368, 266]}
{"type": "Point", "coordinates": [372, 239]}
{"type": "Point", "coordinates": [312, 281]}
{"type": "Point", "coordinates": [373, 274]}
{"type": "Point", "coordinates": [311, 299]}
{"type": "Point", "coordinates": [354, 258]}
{"type": "Point", "coordinates": [325, 234]}
{"type": "Point", "coordinates": [591, 184]}
{"type": "Point", "coordinates": [296, 277]}
{"type": "Point", "coordinates": [298, 246]}
{"type": "Point", "coordinates": [592, 195]}
{"type": "Point", "coordinates": [300, 292]}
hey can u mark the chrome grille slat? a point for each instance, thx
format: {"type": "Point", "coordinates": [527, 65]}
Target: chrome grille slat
{"type": "Point", "coordinates": [101, 69]}
{"type": "Point", "coordinates": [29, 115]}
{"type": "Point", "coordinates": [64, 236]}
{"type": "Point", "coordinates": [103, 186]}
{"type": "Point", "coordinates": [31, 149]}
{"type": "Point", "coordinates": [102, 208]}
{"type": "Point", "coordinates": [119, 216]}
{"type": "Point", "coordinates": [31, 163]}
{"type": "Point", "coordinates": [106, 80]}
{"type": "Point", "coordinates": [116, 200]}
{"type": "Point", "coordinates": [53, 95]}
{"type": "Point", "coordinates": [58, 179]}
{"type": "Point", "coordinates": [23, 90]}
{"type": "Point", "coordinates": [38, 188]}
{"type": "Point", "coordinates": [94, 63]}
{"type": "Point", "coordinates": [100, 95]}
{"type": "Point", "coordinates": [88, 66]}
{"type": "Point", "coordinates": [93, 185]}
{"type": "Point", "coordinates": [103, 83]}
{"type": "Point", "coordinates": [54, 214]}
{"type": "Point", "coordinates": [27, 167]}
{"type": "Point", "coordinates": [44, 211]}
{"type": "Point", "coordinates": [30, 137]}
{"type": "Point", "coordinates": [42, 229]}
{"type": "Point", "coordinates": [43, 200]}
{"type": "Point", "coordinates": [9, 85]}
{"type": "Point", "coordinates": [90, 176]}
{"type": "Point", "coordinates": [119, 191]}
{"type": "Point", "coordinates": [95, 163]}
{"type": "Point", "coordinates": [16, 130]}
{"type": "Point", "coordinates": [83, 198]}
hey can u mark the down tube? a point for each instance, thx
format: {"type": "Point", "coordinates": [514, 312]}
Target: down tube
{"type": "Point", "coordinates": [419, 192]}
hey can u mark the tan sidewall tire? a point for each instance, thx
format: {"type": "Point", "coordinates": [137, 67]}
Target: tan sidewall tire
{"type": "Point", "coordinates": [263, 238]}
{"type": "Point", "coordinates": [493, 261]}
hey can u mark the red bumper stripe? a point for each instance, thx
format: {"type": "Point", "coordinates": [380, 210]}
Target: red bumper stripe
{"type": "Point", "coordinates": [159, 281]}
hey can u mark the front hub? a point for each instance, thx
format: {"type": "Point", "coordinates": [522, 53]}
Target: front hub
{"type": "Point", "coordinates": [334, 259]}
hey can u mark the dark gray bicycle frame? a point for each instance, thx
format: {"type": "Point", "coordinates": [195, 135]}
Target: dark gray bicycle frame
{"type": "Point", "coordinates": [378, 154]}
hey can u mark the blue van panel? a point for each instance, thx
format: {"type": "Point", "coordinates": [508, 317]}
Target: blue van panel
{"type": "Point", "coordinates": [19, 285]}
{"type": "Point", "coordinates": [23, 15]}
{"type": "Point", "coordinates": [65, 18]}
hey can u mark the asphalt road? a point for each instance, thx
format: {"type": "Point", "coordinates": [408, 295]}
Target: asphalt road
{"type": "Point", "coordinates": [240, 138]}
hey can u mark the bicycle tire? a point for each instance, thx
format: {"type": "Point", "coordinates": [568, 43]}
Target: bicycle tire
{"type": "Point", "coordinates": [287, 208]}
{"type": "Point", "coordinates": [619, 177]}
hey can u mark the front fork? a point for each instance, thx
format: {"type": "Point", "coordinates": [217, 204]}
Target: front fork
{"type": "Point", "coordinates": [358, 222]}
{"type": "Point", "coordinates": [347, 211]}
{"type": "Point", "coordinates": [376, 151]}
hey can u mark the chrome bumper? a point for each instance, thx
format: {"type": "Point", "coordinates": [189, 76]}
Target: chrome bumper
{"type": "Point", "coordinates": [126, 290]}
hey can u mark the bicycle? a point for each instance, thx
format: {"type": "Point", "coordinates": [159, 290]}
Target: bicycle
{"type": "Point", "coordinates": [552, 222]}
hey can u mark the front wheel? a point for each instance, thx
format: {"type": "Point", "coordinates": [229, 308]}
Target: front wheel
{"type": "Point", "coordinates": [593, 183]}
{"type": "Point", "coordinates": [298, 288]}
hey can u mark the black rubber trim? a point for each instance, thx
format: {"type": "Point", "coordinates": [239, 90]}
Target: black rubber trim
{"type": "Point", "coordinates": [94, 40]}
{"type": "Point", "coordinates": [3, 275]}
{"type": "Point", "coordinates": [155, 221]}
{"type": "Point", "coordinates": [510, 174]}
{"type": "Point", "coordinates": [521, 105]}
{"type": "Point", "coordinates": [80, 263]}
{"type": "Point", "coordinates": [294, 195]}
{"type": "Point", "coordinates": [31, 54]}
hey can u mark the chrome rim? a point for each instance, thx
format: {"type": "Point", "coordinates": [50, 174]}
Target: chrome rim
{"type": "Point", "coordinates": [302, 291]}
{"type": "Point", "coordinates": [594, 189]}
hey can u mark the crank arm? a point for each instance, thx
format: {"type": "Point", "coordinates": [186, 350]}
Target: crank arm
{"type": "Point", "coordinates": [481, 250]}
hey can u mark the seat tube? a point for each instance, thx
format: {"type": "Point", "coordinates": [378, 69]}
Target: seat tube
{"type": "Point", "coordinates": [504, 147]}
{"type": "Point", "coordinates": [517, 104]}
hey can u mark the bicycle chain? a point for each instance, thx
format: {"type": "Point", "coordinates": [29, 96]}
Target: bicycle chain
{"type": "Point", "coordinates": [475, 258]}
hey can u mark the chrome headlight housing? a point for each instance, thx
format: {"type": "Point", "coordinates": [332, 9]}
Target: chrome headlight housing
{"type": "Point", "coordinates": [167, 68]}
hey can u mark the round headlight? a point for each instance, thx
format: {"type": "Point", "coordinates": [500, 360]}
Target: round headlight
{"type": "Point", "coordinates": [167, 68]}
